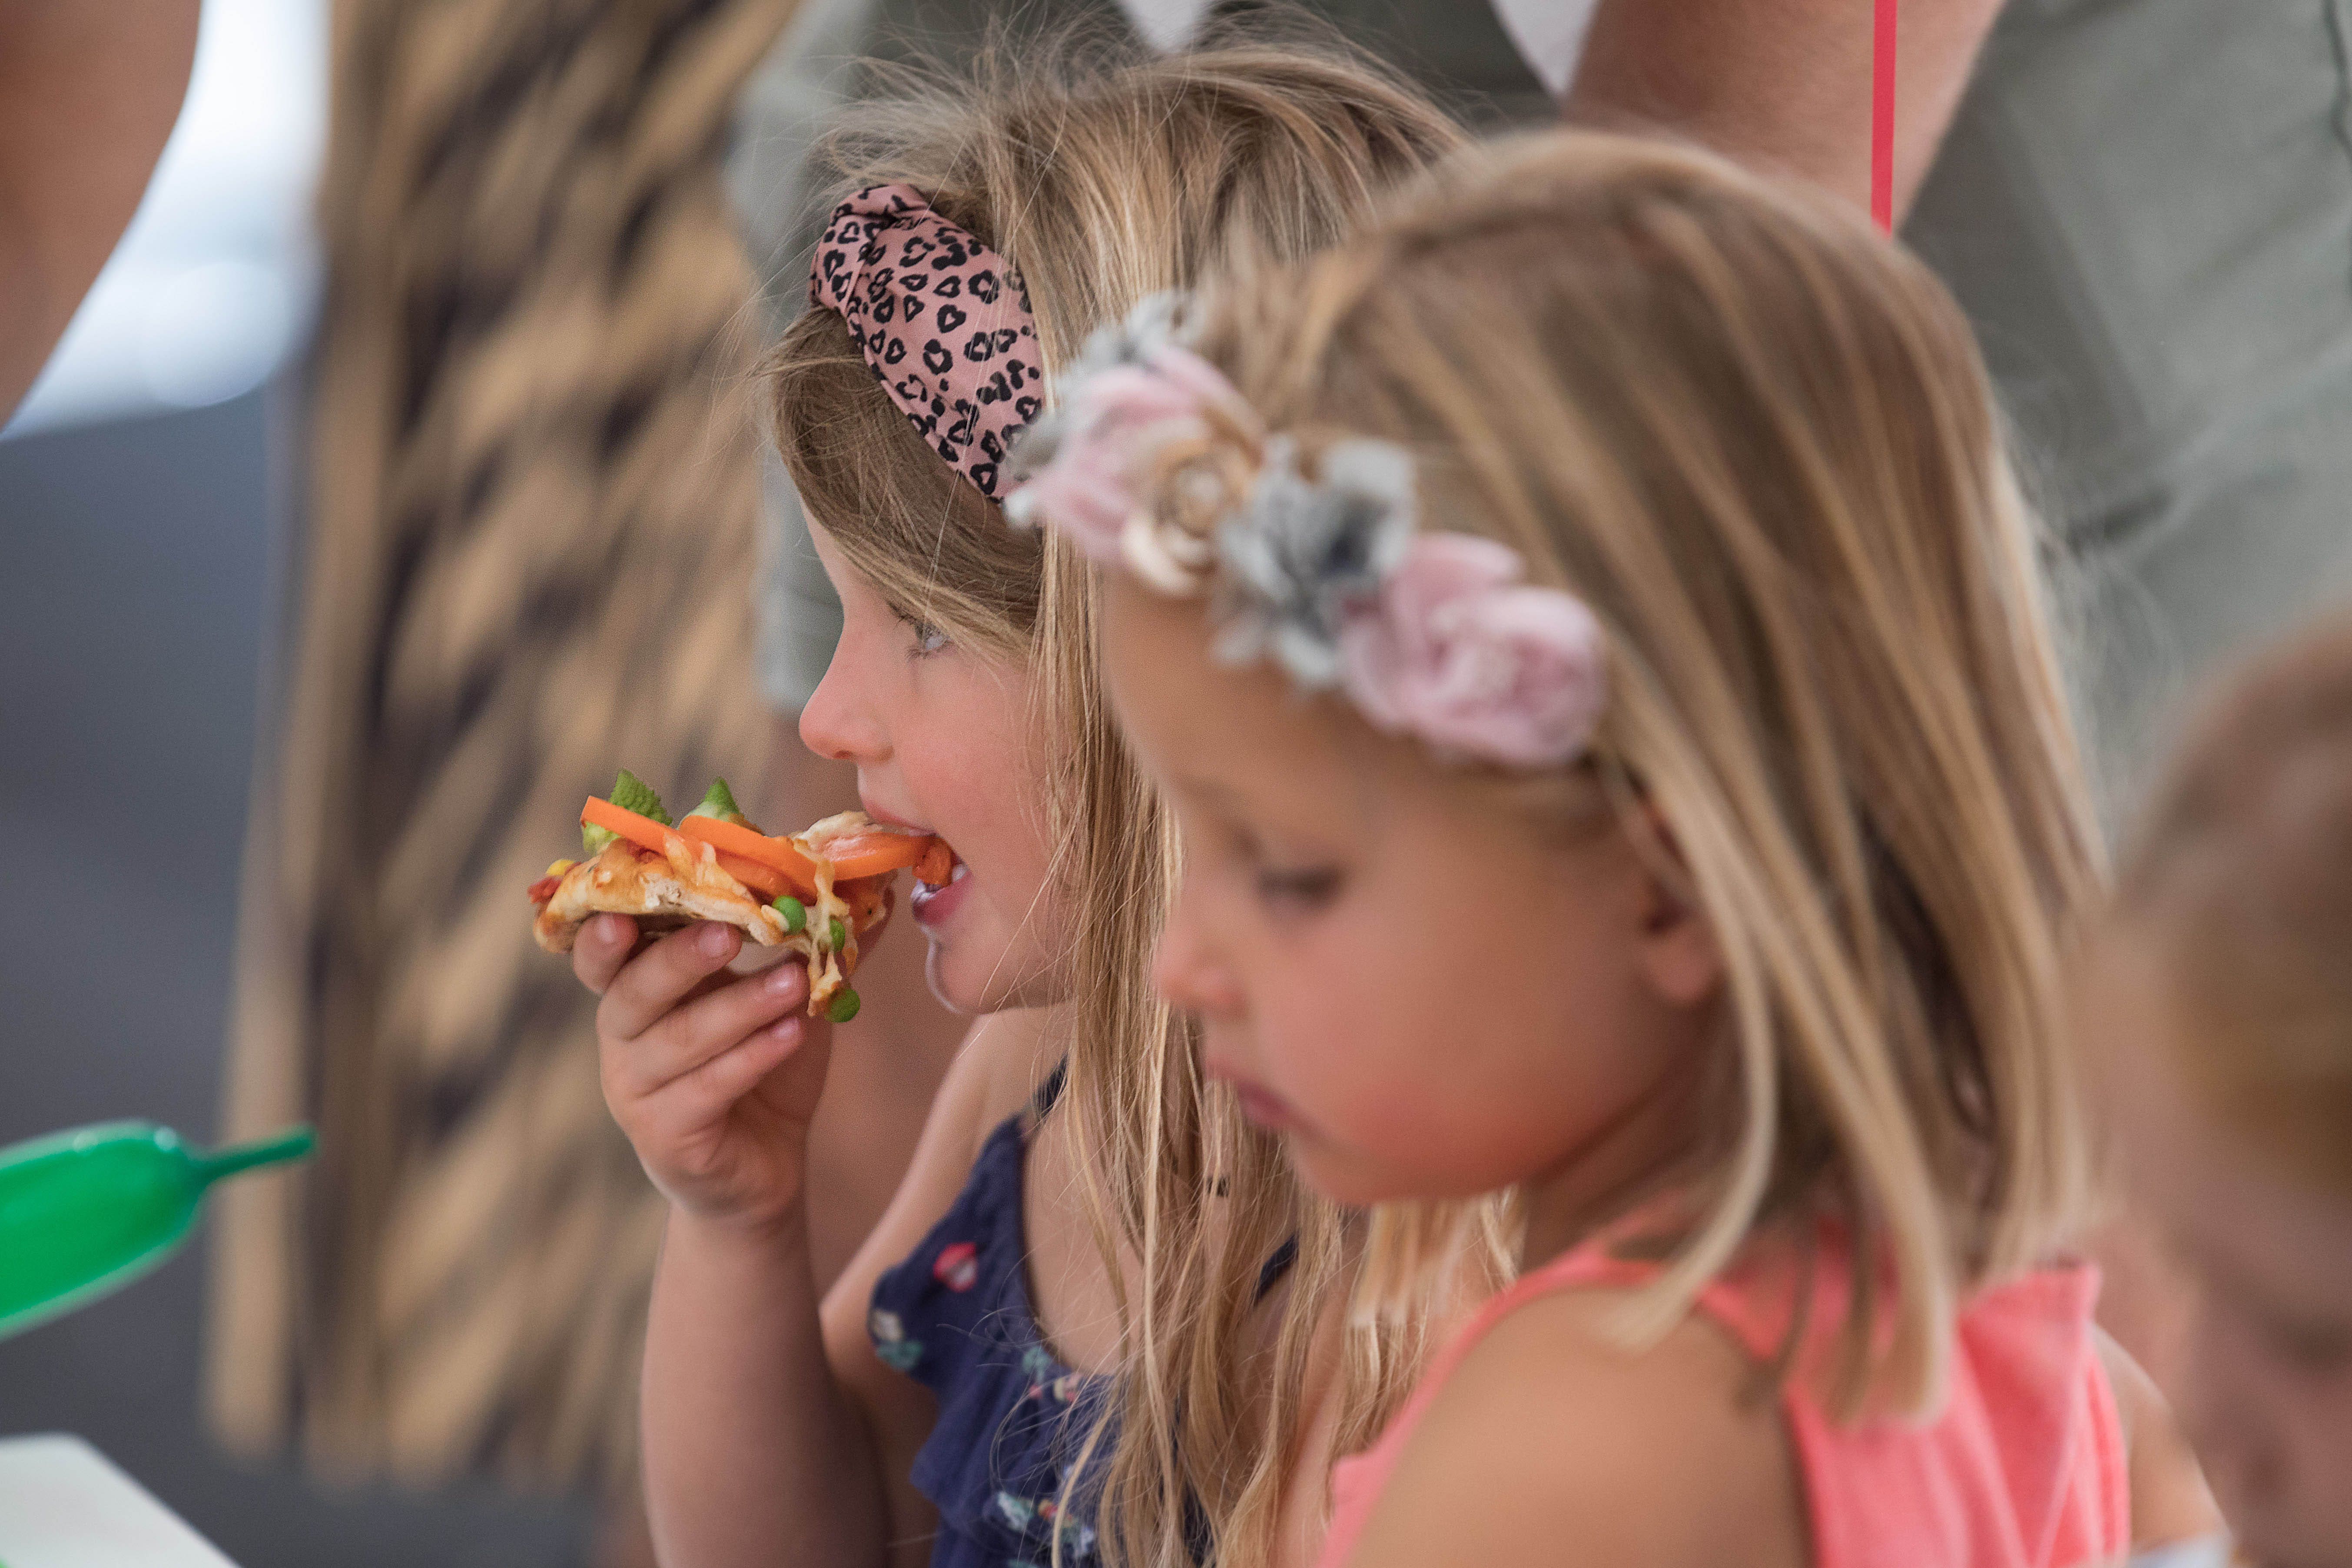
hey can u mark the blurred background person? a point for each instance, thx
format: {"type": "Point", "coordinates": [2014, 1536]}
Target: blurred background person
{"type": "Point", "coordinates": [87, 95]}
{"type": "Point", "coordinates": [2217, 1007]}
{"type": "Point", "coordinates": [2143, 207]}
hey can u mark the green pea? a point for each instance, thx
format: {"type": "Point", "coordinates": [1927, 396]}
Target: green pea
{"type": "Point", "coordinates": [844, 1005]}
{"type": "Point", "coordinates": [838, 932]}
{"type": "Point", "coordinates": [795, 914]}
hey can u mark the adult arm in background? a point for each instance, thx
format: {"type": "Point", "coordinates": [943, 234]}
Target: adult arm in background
{"type": "Point", "coordinates": [1782, 84]}
{"type": "Point", "coordinates": [89, 92]}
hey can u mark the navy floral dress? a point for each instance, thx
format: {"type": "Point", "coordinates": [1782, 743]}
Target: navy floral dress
{"type": "Point", "coordinates": [956, 1317]}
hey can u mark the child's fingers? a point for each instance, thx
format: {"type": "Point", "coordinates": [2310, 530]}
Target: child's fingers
{"type": "Point", "coordinates": [705, 1027]}
{"type": "Point", "coordinates": [659, 978]}
{"type": "Point", "coordinates": [601, 948]}
{"type": "Point", "coordinates": [698, 1098]}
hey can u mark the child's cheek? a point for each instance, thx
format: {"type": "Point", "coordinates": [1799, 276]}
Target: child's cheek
{"type": "Point", "coordinates": [1378, 1097]}
{"type": "Point", "coordinates": [1312, 1035]}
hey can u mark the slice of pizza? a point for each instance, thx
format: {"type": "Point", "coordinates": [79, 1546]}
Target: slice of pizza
{"type": "Point", "coordinates": [813, 893]}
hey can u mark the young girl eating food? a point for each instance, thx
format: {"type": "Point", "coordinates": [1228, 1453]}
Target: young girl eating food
{"type": "Point", "coordinates": [1590, 636]}
{"type": "Point", "coordinates": [1077, 1205]}
{"type": "Point", "coordinates": [2217, 1009]}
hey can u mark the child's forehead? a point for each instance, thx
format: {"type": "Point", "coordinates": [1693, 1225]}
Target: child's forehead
{"type": "Point", "coordinates": [1227, 729]}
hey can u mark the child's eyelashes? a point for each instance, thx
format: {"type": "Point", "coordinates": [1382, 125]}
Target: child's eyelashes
{"type": "Point", "coordinates": [2317, 1348]}
{"type": "Point", "coordinates": [2314, 1345]}
{"type": "Point", "coordinates": [1283, 884]}
{"type": "Point", "coordinates": [927, 639]}
{"type": "Point", "coordinates": [1297, 890]}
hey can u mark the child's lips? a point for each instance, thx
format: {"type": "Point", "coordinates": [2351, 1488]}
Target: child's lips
{"type": "Point", "coordinates": [1268, 1110]}
{"type": "Point", "coordinates": [931, 906]}
{"type": "Point", "coordinates": [1258, 1103]}
{"type": "Point", "coordinates": [889, 818]}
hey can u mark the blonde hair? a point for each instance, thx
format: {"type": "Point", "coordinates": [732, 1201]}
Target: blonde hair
{"type": "Point", "coordinates": [1106, 178]}
{"type": "Point", "coordinates": [2243, 868]}
{"type": "Point", "coordinates": [1756, 440]}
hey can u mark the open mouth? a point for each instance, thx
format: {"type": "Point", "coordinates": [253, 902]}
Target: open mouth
{"type": "Point", "coordinates": [931, 904]}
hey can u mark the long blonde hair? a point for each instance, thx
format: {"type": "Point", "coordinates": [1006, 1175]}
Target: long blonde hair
{"type": "Point", "coordinates": [1106, 178]}
{"type": "Point", "coordinates": [1758, 441]}
{"type": "Point", "coordinates": [2242, 872]}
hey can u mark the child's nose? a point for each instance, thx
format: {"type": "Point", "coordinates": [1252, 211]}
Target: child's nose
{"type": "Point", "coordinates": [1188, 973]}
{"type": "Point", "coordinates": [836, 726]}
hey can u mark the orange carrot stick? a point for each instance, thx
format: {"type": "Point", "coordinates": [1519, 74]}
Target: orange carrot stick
{"type": "Point", "coordinates": [765, 880]}
{"type": "Point", "coordinates": [778, 854]}
{"type": "Point", "coordinates": [873, 853]}
{"type": "Point", "coordinates": [641, 831]}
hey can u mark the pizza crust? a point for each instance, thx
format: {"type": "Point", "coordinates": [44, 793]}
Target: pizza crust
{"type": "Point", "coordinates": [660, 894]}
{"type": "Point", "coordinates": [665, 893]}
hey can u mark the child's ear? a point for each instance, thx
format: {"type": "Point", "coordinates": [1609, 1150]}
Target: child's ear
{"type": "Point", "coordinates": [1679, 953]}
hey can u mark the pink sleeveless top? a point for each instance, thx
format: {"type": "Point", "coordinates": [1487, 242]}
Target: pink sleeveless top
{"type": "Point", "coordinates": [2024, 1467]}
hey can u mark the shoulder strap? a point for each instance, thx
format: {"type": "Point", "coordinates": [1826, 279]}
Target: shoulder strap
{"type": "Point", "coordinates": [1882, 113]}
{"type": "Point", "coordinates": [1049, 1091]}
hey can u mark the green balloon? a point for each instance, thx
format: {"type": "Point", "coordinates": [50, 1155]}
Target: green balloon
{"type": "Point", "coordinates": [85, 1212]}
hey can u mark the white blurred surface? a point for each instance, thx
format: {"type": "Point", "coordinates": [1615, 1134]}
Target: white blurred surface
{"type": "Point", "coordinates": [64, 1505]}
{"type": "Point", "coordinates": [1550, 35]}
{"type": "Point", "coordinates": [212, 287]}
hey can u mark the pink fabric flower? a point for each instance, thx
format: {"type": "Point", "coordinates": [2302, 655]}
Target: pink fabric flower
{"type": "Point", "coordinates": [1460, 654]}
{"type": "Point", "coordinates": [1117, 417]}
{"type": "Point", "coordinates": [1086, 490]}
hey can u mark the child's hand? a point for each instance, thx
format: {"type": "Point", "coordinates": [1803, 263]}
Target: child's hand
{"type": "Point", "coordinates": [713, 1077]}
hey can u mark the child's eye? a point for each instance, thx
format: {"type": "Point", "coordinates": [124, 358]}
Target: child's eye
{"type": "Point", "coordinates": [2314, 1347]}
{"type": "Point", "coordinates": [1302, 890]}
{"type": "Point", "coordinates": [927, 638]}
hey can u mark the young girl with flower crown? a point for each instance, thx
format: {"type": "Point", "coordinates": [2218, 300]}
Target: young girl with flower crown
{"type": "Point", "coordinates": [1077, 1204]}
{"type": "Point", "coordinates": [1590, 636]}
{"type": "Point", "coordinates": [2217, 1007]}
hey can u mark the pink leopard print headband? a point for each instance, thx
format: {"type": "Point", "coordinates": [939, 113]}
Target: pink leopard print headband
{"type": "Point", "coordinates": [943, 320]}
{"type": "Point", "coordinates": [1317, 565]}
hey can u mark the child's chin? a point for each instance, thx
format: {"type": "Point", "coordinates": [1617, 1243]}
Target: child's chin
{"type": "Point", "coordinates": [940, 974]}
{"type": "Point", "coordinates": [968, 984]}
{"type": "Point", "coordinates": [1344, 1181]}
{"type": "Point", "coordinates": [1354, 1180]}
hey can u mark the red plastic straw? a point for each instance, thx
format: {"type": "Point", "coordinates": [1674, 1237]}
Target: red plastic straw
{"type": "Point", "coordinates": [1881, 115]}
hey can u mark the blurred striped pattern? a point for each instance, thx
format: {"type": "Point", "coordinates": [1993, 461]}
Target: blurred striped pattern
{"type": "Point", "coordinates": [532, 487]}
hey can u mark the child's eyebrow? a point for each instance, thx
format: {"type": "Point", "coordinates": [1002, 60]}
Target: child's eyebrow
{"type": "Point", "coordinates": [2225, 1274]}
{"type": "Point", "coordinates": [1206, 789]}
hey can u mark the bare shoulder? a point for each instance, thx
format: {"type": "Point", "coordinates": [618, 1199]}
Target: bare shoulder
{"type": "Point", "coordinates": [1549, 1432]}
{"type": "Point", "coordinates": [2170, 1500]}
{"type": "Point", "coordinates": [950, 1139]}
{"type": "Point", "coordinates": [1000, 1065]}
{"type": "Point", "coordinates": [988, 1080]}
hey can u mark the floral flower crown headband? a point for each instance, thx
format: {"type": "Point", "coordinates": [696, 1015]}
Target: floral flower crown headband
{"type": "Point", "coordinates": [1430, 634]}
